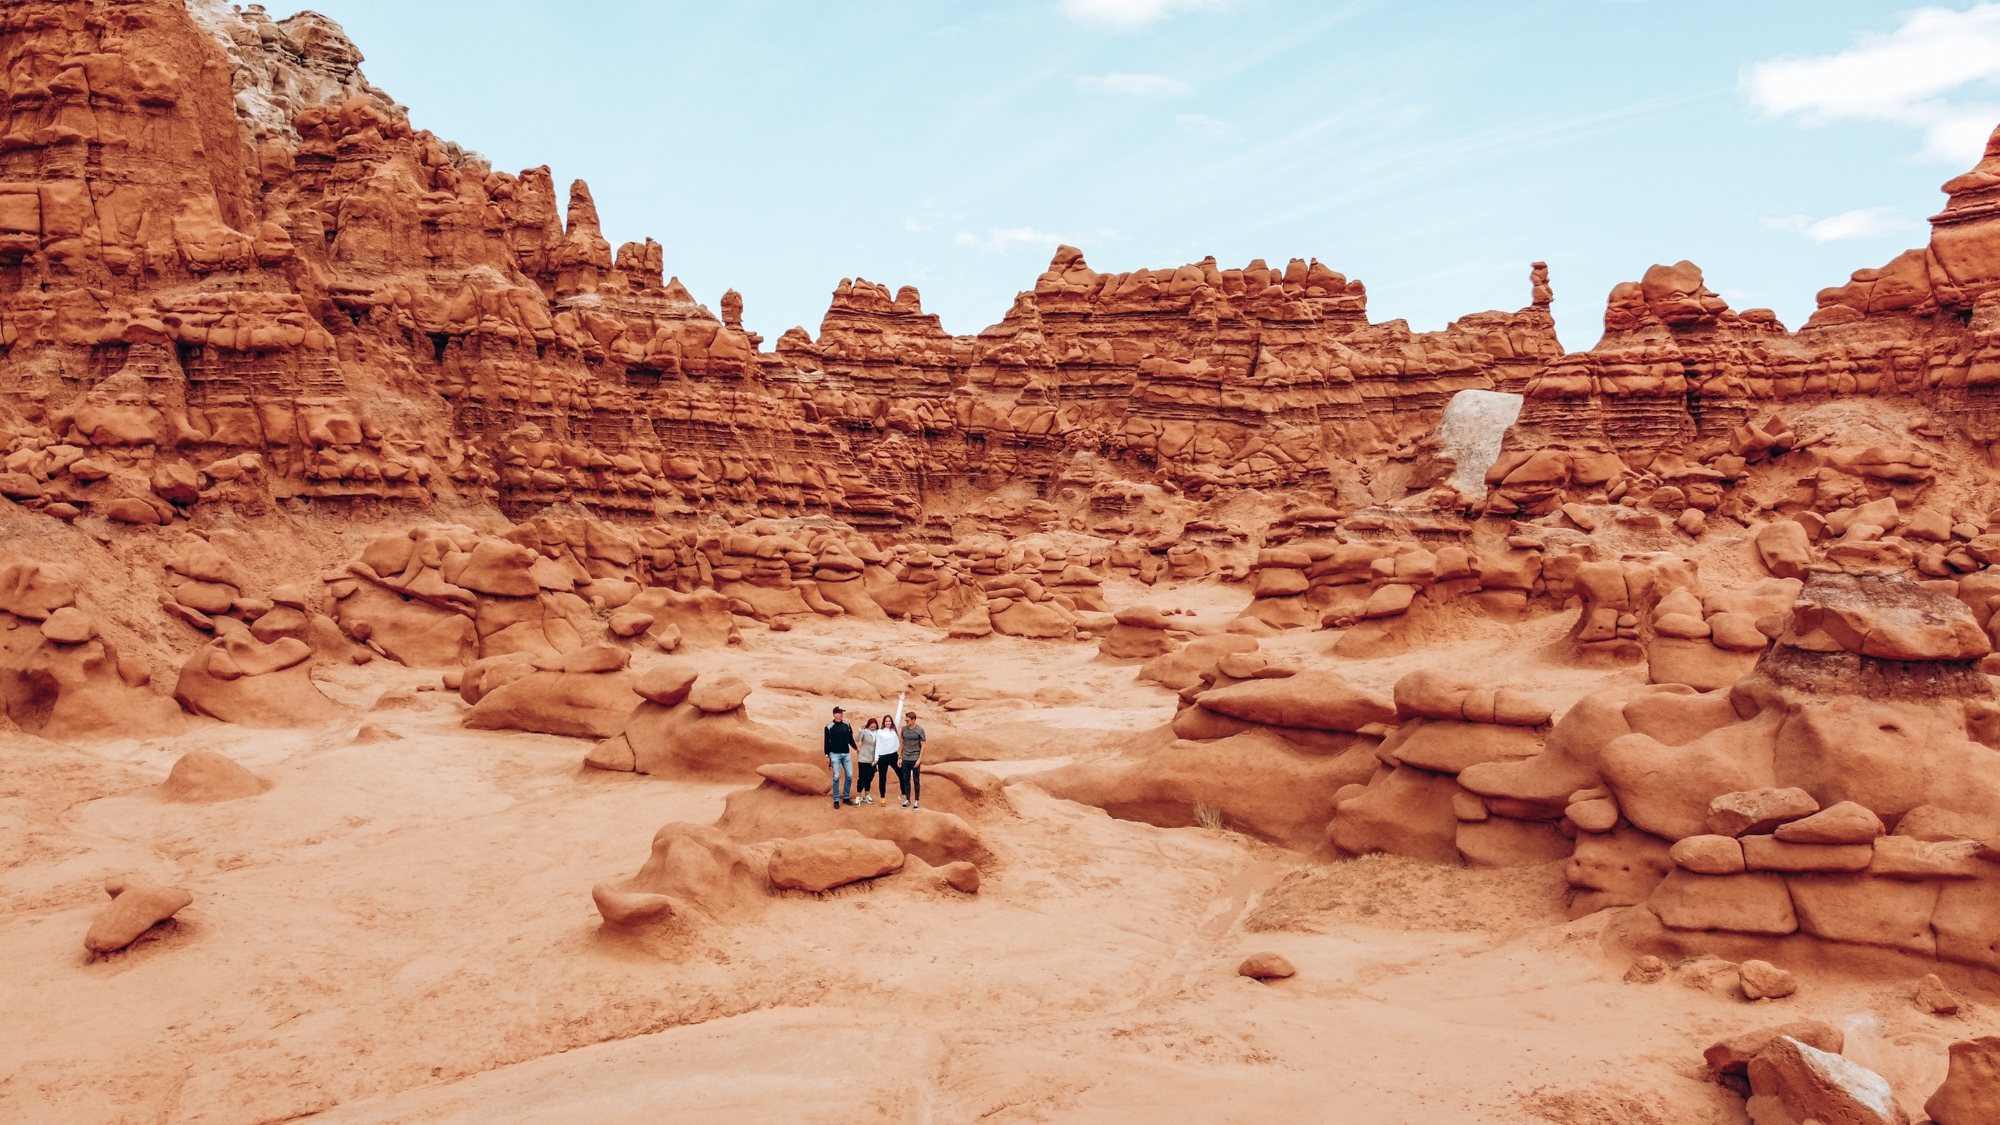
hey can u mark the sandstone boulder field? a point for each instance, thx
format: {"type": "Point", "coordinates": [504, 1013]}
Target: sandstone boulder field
{"type": "Point", "coordinates": [418, 622]}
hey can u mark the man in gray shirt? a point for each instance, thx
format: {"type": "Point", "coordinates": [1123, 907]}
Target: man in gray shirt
{"type": "Point", "coordinates": [909, 776]}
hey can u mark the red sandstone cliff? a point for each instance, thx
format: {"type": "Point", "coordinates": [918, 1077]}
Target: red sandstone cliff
{"type": "Point", "coordinates": [234, 273]}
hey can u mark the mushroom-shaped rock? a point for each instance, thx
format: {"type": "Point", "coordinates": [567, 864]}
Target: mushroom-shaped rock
{"type": "Point", "coordinates": [667, 684]}
{"type": "Point", "coordinates": [1265, 966]}
{"type": "Point", "coordinates": [831, 859]}
{"type": "Point", "coordinates": [716, 696]}
{"type": "Point", "coordinates": [1144, 617]}
{"type": "Point", "coordinates": [136, 906]}
{"type": "Point", "coordinates": [241, 680]}
{"type": "Point", "coordinates": [204, 776]}
{"type": "Point", "coordinates": [500, 568]}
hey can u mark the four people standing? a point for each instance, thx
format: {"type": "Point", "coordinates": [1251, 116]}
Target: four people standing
{"type": "Point", "coordinates": [881, 746]}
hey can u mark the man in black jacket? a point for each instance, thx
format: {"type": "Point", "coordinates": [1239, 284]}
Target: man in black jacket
{"type": "Point", "coordinates": [840, 747]}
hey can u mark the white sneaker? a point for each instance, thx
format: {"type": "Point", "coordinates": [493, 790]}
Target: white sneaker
{"type": "Point", "coordinates": [918, 805]}
{"type": "Point", "coordinates": [906, 804]}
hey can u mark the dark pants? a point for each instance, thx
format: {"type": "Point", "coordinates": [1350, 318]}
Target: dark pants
{"type": "Point", "coordinates": [882, 771]}
{"type": "Point", "coordinates": [909, 780]}
{"type": "Point", "coordinates": [867, 770]}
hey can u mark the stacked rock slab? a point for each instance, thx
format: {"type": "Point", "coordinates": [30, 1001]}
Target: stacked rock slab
{"type": "Point", "coordinates": [1414, 805]}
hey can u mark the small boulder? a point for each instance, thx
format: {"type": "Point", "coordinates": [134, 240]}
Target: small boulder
{"type": "Point", "coordinates": [630, 623]}
{"type": "Point", "coordinates": [1935, 998]}
{"type": "Point", "coordinates": [1758, 810]}
{"type": "Point", "coordinates": [1265, 966]}
{"type": "Point", "coordinates": [831, 859]}
{"type": "Point", "coordinates": [136, 906]}
{"type": "Point", "coordinates": [69, 626]}
{"type": "Point", "coordinates": [1709, 855]}
{"type": "Point", "coordinates": [1784, 549]}
{"type": "Point", "coordinates": [630, 909]}
{"type": "Point", "coordinates": [961, 875]}
{"type": "Point", "coordinates": [1762, 980]}
{"type": "Point", "coordinates": [1648, 969]}
{"type": "Point", "coordinates": [1809, 1084]}
{"type": "Point", "coordinates": [204, 777]}
{"type": "Point", "coordinates": [1844, 823]}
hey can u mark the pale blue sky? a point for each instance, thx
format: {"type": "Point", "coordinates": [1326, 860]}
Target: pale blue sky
{"type": "Point", "coordinates": [1430, 149]}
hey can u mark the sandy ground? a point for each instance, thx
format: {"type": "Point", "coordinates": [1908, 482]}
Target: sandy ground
{"type": "Point", "coordinates": [402, 931]}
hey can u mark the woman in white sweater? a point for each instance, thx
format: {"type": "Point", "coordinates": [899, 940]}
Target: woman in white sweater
{"type": "Point", "coordinates": [886, 746]}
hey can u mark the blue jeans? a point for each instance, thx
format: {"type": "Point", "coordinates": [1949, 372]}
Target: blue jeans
{"type": "Point", "coordinates": [843, 775]}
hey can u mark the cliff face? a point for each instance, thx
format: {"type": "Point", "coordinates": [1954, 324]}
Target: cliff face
{"type": "Point", "coordinates": [1681, 388]}
{"type": "Point", "coordinates": [233, 273]}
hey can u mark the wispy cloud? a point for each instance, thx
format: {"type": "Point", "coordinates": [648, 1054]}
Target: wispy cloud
{"type": "Point", "coordinates": [1127, 15]}
{"type": "Point", "coordinates": [1913, 76]}
{"type": "Point", "coordinates": [998, 240]}
{"type": "Point", "coordinates": [1202, 123]}
{"type": "Point", "coordinates": [1392, 162]}
{"type": "Point", "coordinates": [1137, 85]}
{"type": "Point", "coordinates": [1866, 222]}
